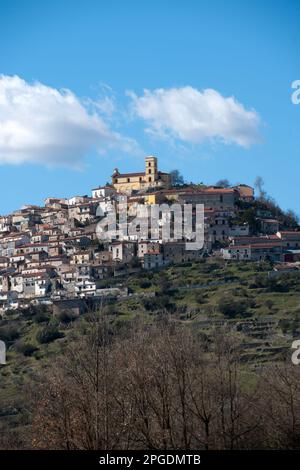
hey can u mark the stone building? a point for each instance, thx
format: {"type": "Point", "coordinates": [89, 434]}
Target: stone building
{"type": "Point", "coordinates": [150, 178]}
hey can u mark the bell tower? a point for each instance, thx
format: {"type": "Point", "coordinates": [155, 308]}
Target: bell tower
{"type": "Point", "coordinates": [151, 169]}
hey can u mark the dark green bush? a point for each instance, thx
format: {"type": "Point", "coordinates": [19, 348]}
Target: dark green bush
{"type": "Point", "coordinates": [200, 297]}
{"type": "Point", "coordinates": [67, 316]}
{"type": "Point", "coordinates": [34, 310]}
{"type": "Point", "coordinates": [233, 307]}
{"type": "Point", "coordinates": [48, 334]}
{"type": "Point", "coordinates": [9, 333]}
{"type": "Point", "coordinates": [145, 284]}
{"type": "Point", "coordinates": [161, 302]}
{"type": "Point", "coordinates": [26, 349]}
{"type": "Point", "coordinates": [41, 317]}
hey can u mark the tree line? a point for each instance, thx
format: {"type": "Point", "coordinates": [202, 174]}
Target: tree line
{"type": "Point", "coordinates": [162, 386]}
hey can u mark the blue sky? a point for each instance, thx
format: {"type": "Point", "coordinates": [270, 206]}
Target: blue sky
{"type": "Point", "coordinates": [103, 50]}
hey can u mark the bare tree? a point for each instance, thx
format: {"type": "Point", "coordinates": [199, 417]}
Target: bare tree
{"type": "Point", "coordinates": [259, 186]}
{"type": "Point", "coordinates": [81, 404]}
{"type": "Point", "coordinates": [280, 405]}
{"type": "Point", "coordinates": [237, 424]}
{"type": "Point", "coordinates": [160, 386]}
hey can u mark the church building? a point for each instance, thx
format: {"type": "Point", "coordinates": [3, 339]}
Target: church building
{"type": "Point", "coordinates": [150, 179]}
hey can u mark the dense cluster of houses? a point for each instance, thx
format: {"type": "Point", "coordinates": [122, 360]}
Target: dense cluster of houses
{"type": "Point", "coordinates": [53, 252]}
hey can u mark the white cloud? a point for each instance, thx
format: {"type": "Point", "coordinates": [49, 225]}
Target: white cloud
{"type": "Point", "coordinates": [193, 116]}
{"type": "Point", "coordinates": [106, 105]}
{"type": "Point", "coordinates": [40, 124]}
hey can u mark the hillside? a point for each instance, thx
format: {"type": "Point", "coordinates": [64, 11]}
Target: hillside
{"type": "Point", "coordinates": [262, 310]}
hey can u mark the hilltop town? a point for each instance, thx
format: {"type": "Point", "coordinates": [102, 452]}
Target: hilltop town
{"type": "Point", "coordinates": [52, 254]}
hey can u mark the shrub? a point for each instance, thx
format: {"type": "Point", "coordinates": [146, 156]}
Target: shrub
{"type": "Point", "coordinates": [285, 325]}
{"type": "Point", "coordinates": [34, 310]}
{"type": "Point", "coordinates": [145, 284]}
{"type": "Point", "coordinates": [26, 349]}
{"type": "Point", "coordinates": [164, 284]}
{"type": "Point", "coordinates": [10, 312]}
{"type": "Point", "coordinates": [9, 333]}
{"type": "Point", "coordinates": [234, 307]}
{"type": "Point", "coordinates": [48, 334]}
{"type": "Point", "coordinates": [260, 281]}
{"type": "Point", "coordinates": [200, 298]}
{"type": "Point", "coordinates": [161, 302]}
{"type": "Point", "coordinates": [272, 284]}
{"type": "Point", "coordinates": [41, 317]}
{"type": "Point", "coordinates": [67, 316]}
{"type": "Point", "coordinates": [209, 268]}
{"type": "Point", "coordinates": [28, 312]}
{"type": "Point", "coordinates": [269, 304]}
